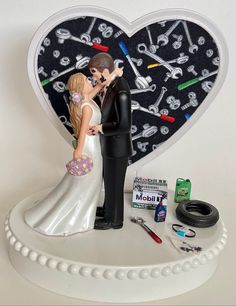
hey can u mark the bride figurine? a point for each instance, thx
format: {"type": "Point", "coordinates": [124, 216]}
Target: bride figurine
{"type": "Point", "coordinates": [71, 206]}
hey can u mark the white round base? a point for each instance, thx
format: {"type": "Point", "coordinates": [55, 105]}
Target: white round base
{"type": "Point", "coordinates": [117, 266]}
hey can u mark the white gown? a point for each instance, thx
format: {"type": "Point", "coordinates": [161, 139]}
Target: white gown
{"type": "Point", "coordinates": [71, 206]}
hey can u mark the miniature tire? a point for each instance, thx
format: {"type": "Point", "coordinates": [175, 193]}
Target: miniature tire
{"type": "Point", "coordinates": [208, 214]}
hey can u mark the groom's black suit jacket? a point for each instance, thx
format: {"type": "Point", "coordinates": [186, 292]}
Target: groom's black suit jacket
{"type": "Point", "coordinates": [116, 120]}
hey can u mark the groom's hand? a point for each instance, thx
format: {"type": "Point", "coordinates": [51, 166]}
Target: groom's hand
{"type": "Point", "coordinates": [95, 129]}
{"type": "Point", "coordinates": [90, 130]}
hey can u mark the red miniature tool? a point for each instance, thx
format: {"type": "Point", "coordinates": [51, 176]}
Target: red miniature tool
{"type": "Point", "coordinates": [141, 222]}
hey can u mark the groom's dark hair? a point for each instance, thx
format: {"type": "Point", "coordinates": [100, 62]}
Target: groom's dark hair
{"type": "Point", "coordinates": [102, 61]}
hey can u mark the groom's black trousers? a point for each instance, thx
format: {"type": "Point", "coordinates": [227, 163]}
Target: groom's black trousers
{"type": "Point", "coordinates": [114, 176]}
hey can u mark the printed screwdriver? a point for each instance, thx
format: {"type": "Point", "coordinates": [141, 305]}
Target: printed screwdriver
{"type": "Point", "coordinates": [195, 80]}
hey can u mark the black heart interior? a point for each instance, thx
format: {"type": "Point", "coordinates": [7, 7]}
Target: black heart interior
{"type": "Point", "coordinates": [176, 88]}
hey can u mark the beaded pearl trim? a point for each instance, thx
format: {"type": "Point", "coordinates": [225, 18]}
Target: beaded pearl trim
{"type": "Point", "coordinates": [103, 272]}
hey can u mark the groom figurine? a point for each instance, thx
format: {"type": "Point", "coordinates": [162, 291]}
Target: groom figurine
{"type": "Point", "coordinates": [115, 137]}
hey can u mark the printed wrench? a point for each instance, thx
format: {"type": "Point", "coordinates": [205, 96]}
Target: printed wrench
{"type": "Point", "coordinates": [174, 71]}
{"type": "Point", "coordinates": [117, 63]}
{"type": "Point", "coordinates": [148, 131]}
{"type": "Point", "coordinates": [140, 81]}
{"type": "Point", "coordinates": [192, 47]}
{"type": "Point", "coordinates": [86, 37]}
{"type": "Point", "coordinates": [65, 121]}
{"type": "Point", "coordinates": [136, 106]}
{"type": "Point", "coordinates": [64, 34]}
{"type": "Point", "coordinates": [81, 63]}
{"type": "Point", "coordinates": [163, 39]}
{"type": "Point", "coordinates": [155, 107]}
{"type": "Point", "coordinates": [150, 88]}
{"type": "Point", "coordinates": [182, 59]}
{"type": "Point", "coordinates": [153, 48]}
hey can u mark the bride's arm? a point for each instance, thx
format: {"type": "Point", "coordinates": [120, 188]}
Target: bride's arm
{"type": "Point", "coordinates": [95, 90]}
{"type": "Point", "coordinates": [117, 72]}
{"type": "Point", "coordinates": [86, 117]}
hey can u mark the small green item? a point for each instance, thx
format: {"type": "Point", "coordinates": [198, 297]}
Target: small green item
{"type": "Point", "coordinates": [45, 82]}
{"type": "Point", "coordinates": [74, 143]}
{"type": "Point", "coordinates": [196, 80]}
{"type": "Point", "coordinates": [182, 190]}
{"type": "Point", "coordinates": [188, 83]}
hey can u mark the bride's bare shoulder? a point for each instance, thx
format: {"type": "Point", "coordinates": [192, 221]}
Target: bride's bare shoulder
{"type": "Point", "coordinates": [86, 103]}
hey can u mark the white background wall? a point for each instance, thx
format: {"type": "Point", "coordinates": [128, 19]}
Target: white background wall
{"type": "Point", "coordinates": [33, 154]}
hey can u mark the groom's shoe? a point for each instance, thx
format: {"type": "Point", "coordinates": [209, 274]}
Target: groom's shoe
{"type": "Point", "coordinates": [103, 224]}
{"type": "Point", "coordinates": [100, 212]}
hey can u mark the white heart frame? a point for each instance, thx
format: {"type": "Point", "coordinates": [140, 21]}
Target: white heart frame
{"type": "Point", "coordinates": [129, 28]}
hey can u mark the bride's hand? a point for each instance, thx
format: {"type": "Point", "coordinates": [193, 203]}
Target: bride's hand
{"type": "Point", "coordinates": [118, 72]}
{"type": "Point", "coordinates": [77, 154]}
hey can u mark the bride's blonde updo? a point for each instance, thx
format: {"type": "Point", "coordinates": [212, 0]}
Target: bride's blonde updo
{"type": "Point", "coordinates": [75, 85]}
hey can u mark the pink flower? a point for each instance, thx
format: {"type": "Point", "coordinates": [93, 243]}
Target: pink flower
{"type": "Point", "coordinates": [76, 97]}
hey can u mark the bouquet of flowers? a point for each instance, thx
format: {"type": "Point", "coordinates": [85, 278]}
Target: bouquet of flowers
{"type": "Point", "coordinates": [80, 167]}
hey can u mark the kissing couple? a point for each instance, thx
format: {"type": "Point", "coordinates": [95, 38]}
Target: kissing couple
{"type": "Point", "coordinates": [103, 134]}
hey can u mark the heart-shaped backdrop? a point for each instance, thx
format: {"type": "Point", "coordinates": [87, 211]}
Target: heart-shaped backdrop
{"type": "Point", "coordinates": [171, 65]}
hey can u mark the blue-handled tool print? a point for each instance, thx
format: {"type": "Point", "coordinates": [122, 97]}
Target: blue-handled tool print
{"type": "Point", "coordinates": [140, 81]}
{"type": "Point", "coordinates": [123, 47]}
